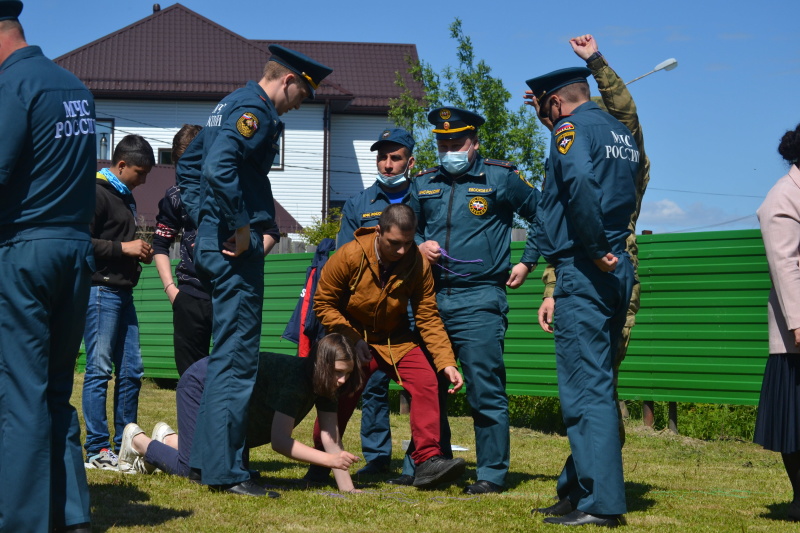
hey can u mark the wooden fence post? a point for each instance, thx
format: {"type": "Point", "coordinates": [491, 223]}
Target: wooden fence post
{"type": "Point", "coordinates": [673, 417]}
{"type": "Point", "coordinates": [647, 413]}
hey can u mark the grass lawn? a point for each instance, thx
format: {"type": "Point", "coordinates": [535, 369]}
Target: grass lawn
{"type": "Point", "coordinates": [673, 484]}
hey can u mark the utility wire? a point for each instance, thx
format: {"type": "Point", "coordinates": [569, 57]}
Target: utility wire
{"type": "Point", "coordinates": [684, 230]}
{"type": "Point", "coordinates": [706, 193]}
{"type": "Point", "coordinates": [350, 158]}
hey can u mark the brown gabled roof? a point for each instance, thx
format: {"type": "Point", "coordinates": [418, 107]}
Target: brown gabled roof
{"type": "Point", "coordinates": [176, 53]}
{"type": "Point", "coordinates": [162, 177]}
{"type": "Point", "coordinates": [173, 52]}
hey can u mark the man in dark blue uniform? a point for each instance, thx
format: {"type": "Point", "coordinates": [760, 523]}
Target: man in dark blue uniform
{"type": "Point", "coordinates": [395, 161]}
{"type": "Point", "coordinates": [465, 208]}
{"type": "Point", "coordinates": [395, 147]}
{"type": "Point", "coordinates": [224, 186]}
{"type": "Point", "coordinates": [47, 194]}
{"type": "Point", "coordinates": [581, 229]}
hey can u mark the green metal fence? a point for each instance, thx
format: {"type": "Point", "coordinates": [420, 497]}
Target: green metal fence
{"type": "Point", "coordinates": [700, 336]}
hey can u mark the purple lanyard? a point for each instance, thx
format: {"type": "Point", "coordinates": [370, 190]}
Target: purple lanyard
{"type": "Point", "coordinates": [454, 260]}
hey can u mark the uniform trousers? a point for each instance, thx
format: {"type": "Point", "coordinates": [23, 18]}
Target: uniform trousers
{"type": "Point", "coordinates": [590, 312]}
{"type": "Point", "coordinates": [475, 320]}
{"type": "Point", "coordinates": [44, 289]}
{"type": "Point", "coordinates": [419, 379]}
{"type": "Point", "coordinates": [236, 285]}
{"type": "Point", "coordinates": [192, 322]}
{"type": "Point", "coordinates": [376, 433]}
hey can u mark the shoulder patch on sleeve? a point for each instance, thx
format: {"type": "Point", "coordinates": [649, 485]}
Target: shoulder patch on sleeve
{"type": "Point", "coordinates": [564, 141]}
{"type": "Point", "coordinates": [500, 163]}
{"type": "Point", "coordinates": [567, 126]}
{"type": "Point", "coordinates": [427, 171]}
{"type": "Point", "coordinates": [247, 125]}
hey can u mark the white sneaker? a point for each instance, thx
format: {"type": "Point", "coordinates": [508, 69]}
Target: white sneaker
{"type": "Point", "coordinates": [130, 461]}
{"type": "Point", "coordinates": [161, 431]}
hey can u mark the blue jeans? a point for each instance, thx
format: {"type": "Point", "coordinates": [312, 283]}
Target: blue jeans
{"type": "Point", "coordinates": [112, 337]}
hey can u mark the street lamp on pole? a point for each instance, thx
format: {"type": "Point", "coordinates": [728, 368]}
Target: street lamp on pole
{"type": "Point", "coordinates": [669, 64]}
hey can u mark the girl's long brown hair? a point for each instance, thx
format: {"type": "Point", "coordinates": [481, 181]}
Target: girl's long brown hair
{"type": "Point", "coordinates": [323, 356]}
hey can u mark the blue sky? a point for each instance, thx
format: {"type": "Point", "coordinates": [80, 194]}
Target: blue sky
{"type": "Point", "coordinates": [711, 126]}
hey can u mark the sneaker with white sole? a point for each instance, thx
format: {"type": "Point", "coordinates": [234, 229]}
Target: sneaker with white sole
{"type": "Point", "coordinates": [104, 460]}
{"type": "Point", "coordinates": [161, 431]}
{"type": "Point", "coordinates": [130, 461]}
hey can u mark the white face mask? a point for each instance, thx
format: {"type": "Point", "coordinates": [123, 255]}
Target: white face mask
{"type": "Point", "coordinates": [456, 163]}
{"type": "Point", "coordinates": [393, 181]}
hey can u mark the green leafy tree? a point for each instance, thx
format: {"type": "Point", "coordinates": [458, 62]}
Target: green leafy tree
{"type": "Point", "coordinates": [507, 134]}
{"type": "Point", "coordinates": [320, 228]}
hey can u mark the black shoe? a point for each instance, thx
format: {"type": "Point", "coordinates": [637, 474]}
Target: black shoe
{"type": "Point", "coordinates": [483, 487]}
{"type": "Point", "coordinates": [317, 474]}
{"type": "Point", "coordinates": [579, 518]}
{"type": "Point", "coordinates": [194, 475]}
{"type": "Point", "coordinates": [373, 468]}
{"type": "Point", "coordinates": [793, 514]}
{"type": "Point", "coordinates": [84, 527]}
{"type": "Point", "coordinates": [404, 480]}
{"type": "Point", "coordinates": [437, 470]}
{"type": "Point", "coordinates": [560, 508]}
{"type": "Point", "coordinates": [245, 488]}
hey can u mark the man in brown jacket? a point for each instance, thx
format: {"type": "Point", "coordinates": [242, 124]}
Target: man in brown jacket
{"type": "Point", "coordinates": [363, 293]}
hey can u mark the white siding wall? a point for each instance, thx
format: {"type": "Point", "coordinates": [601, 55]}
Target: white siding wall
{"type": "Point", "coordinates": [352, 164]}
{"type": "Point", "coordinates": [298, 187]}
{"type": "Point", "coordinates": [156, 121]}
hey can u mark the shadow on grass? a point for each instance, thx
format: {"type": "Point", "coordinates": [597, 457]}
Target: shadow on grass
{"type": "Point", "coordinates": [515, 479]}
{"type": "Point", "coordinates": [265, 467]}
{"type": "Point", "coordinates": [124, 505]}
{"type": "Point", "coordinates": [776, 511]}
{"type": "Point", "coordinates": [293, 484]}
{"type": "Point", "coordinates": [165, 383]}
{"type": "Point", "coordinates": [637, 496]}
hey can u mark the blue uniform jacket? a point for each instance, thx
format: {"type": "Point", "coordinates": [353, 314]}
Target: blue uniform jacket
{"type": "Point", "coordinates": [47, 147]}
{"type": "Point", "coordinates": [471, 218]}
{"type": "Point", "coordinates": [589, 192]}
{"type": "Point", "coordinates": [223, 173]}
{"type": "Point", "coordinates": [363, 211]}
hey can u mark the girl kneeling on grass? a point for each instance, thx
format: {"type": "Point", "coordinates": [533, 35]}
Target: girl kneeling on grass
{"type": "Point", "coordinates": [286, 389]}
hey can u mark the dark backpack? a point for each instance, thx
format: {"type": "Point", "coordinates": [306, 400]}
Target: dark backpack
{"type": "Point", "coordinates": [304, 328]}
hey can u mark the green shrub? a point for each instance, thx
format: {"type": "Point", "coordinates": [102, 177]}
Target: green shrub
{"type": "Point", "coordinates": [697, 420]}
{"type": "Point", "coordinates": [703, 420]}
{"type": "Point", "coordinates": [322, 228]}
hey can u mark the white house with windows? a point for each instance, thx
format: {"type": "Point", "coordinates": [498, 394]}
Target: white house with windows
{"type": "Point", "coordinates": [172, 67]}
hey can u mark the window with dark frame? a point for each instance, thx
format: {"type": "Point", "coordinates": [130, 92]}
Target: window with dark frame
{"type": "Point", "coordinates": [165, 156]}
{"type": "Point", "coordinates": [277, 164]}
{"type": "Point", "coordinates": [104, 130]}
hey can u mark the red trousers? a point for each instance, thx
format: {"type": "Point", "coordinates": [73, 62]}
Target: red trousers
{"type": "Point", "coordinates": [419, 379]}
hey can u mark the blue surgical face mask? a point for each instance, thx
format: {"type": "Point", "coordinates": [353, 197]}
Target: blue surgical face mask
{"type": "Point", "coordinates": [456, 163]}
{"type": "Point", "coordinates": [393, 181]}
